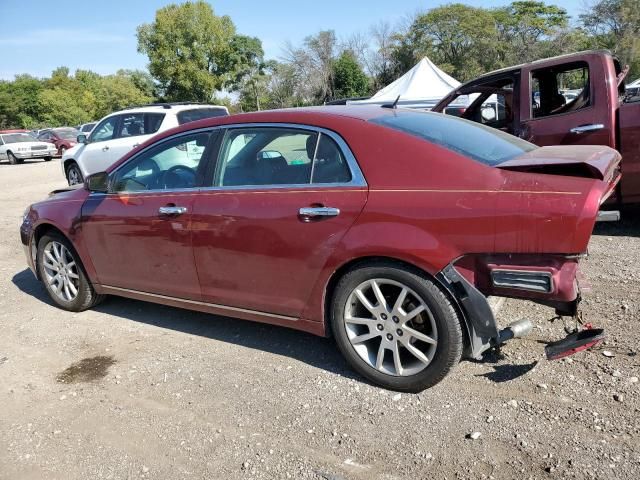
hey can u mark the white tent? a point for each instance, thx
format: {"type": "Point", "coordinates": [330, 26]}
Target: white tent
{"type": "Point", "coordinates": [421, 87]}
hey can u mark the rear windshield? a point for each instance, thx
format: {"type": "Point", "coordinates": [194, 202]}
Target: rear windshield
{"type": "Point", "coordinates": [187, 116]}
{"type": "Point", "coordinates": [484, 144]}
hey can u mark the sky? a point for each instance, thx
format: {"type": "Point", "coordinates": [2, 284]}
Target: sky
{"type": "Point", "coordinates": [39, 35]}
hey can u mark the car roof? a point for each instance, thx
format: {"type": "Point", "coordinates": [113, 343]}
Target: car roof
{"type": "Point", "coordinates": [14, 131]}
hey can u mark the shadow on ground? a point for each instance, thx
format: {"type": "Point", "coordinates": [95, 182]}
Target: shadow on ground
{"type": "Point", "coordinates": [315, 351]}
{"type": "Point", "coordinates": [508, 372]}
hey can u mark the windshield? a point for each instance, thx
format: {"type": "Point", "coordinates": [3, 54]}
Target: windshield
{"type": "Point", "coordinates": [484, 144]}
{"type": "Point", "coordinates": [17, 138]}
{"type": "Point", "coordinates": [67, 134]}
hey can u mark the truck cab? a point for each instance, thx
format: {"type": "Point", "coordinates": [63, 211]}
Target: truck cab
{"type": "Point", "coordinates": [576, 99]}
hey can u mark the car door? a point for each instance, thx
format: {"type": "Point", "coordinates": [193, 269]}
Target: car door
{"type": "Point", "coordinates": [133, 130]}
{"type": "Point", "coordinates": [281, 199]}
{"type": "Point", "coordinates": [550, 118]}
{"type": "Point", "coordinates": [138, 235]}
{"type": "Point", "coordinates": [96, 155]}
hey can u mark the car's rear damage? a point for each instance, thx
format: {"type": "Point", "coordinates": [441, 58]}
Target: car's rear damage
{"type": "Point", "coordinates": [530, 262]}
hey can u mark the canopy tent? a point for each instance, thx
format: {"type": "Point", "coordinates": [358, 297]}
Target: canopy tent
{"type": "Point", "coordinates": [421, 87]}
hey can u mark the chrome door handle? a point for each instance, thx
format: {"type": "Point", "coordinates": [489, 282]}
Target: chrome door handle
{"type": "Point", "coordinates": [318, 212]}
{"type": "Point", "coordinates": [105, 148]}
{"type": "Point", "coordinates": [172, 210]}
{"type": "Point", "coordinates": [587, 128]}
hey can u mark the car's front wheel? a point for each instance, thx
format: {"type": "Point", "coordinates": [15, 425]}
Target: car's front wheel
{"type": "Point", "coordinates": [396, 327]}
{"type": "Point", "coordinates": [47, 159]}
{"type": "Point", "coordinates": [13, 160]}
{"type": "Point", "coordinates": [74, 175]}
{"type": "Point", "coordinates": [62, 274]}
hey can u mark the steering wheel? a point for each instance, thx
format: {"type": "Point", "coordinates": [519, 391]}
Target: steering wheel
{"type": "Point", "coordinates": [179, 176]}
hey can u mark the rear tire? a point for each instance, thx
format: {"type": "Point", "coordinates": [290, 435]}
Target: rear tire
{"type": "Point", "coordinates": [12, 158]}
{"type": "Point", "coordinates": [63, 275]}
{"type": "Point", "coordinates": [74, 175]}
{"type": "Point", "coordinates": [418, 349]}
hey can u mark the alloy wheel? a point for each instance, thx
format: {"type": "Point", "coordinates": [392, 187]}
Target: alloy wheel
{"type": "Point", "coordinates": [74, 176]}
{"type": "Point", "coordinates": [61, 271]}
{"type": "Point", "coordinates": [390, 327]}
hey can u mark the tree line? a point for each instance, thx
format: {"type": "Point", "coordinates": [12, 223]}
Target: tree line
{"type": "Point", "coordinates": [196, 55]}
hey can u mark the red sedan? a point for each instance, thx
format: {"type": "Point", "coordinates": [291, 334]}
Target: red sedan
{"type": "Point", "coordinates": [384, 228]}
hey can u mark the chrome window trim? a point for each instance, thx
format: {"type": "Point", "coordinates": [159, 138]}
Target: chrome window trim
{"type": "Point", "coordinates": [357, 178]}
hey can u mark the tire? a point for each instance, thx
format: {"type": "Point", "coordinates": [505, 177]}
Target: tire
{"type": "Point", "coordinates": [62, 151]}
{"type": "Point", "coordinates": [47, 159]}
{"type": "Point", "coordinates": [78, 293]}
{"type": "Point", "coordinates": [74, 175]}
{"type": "Point", "coordinates": [12, 158]}
{"type": "Point", "coordinates": [434, 334]}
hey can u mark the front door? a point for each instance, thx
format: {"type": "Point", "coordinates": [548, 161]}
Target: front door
{"type": "Point", "coordinates": [96, 155]}
{"type": "Point", "coordinates": [281, 200]}
{"type": "Point", "coordinates": [558, 106]}
{"type": "Point", "coordinates": [139, 234]}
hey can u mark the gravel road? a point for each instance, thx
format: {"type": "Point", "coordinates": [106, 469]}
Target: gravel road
{"type": "Point", "coordinates": [135, 390]}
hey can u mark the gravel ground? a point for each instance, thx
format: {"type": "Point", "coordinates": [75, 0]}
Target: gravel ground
{"type": "Point", "coordinates": [168, 393]}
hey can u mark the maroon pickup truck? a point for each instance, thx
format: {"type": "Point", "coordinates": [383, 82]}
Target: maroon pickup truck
{"type": "Point", "coordinates": [576, 99]}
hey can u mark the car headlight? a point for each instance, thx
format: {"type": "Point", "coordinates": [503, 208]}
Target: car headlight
{"type": "Point", "coordinates": [25, 216]}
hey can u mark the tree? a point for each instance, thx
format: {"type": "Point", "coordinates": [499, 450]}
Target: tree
{"type": "Point", "coordinates": [615, 25]}
{"type": "Point", "coordinates": [188, 48]}
{"type": "Point", "coordinates": [249, 71]}
{"type": "Point", "coordinates": [348, 78]}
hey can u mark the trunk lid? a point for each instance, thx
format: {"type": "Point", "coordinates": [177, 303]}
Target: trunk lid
{"type": "Point", "coordinates": [587, 161]}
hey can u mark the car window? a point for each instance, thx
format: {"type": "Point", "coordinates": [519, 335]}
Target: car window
{"type": "Point", "coordinates": [104, 130]}
{"type": "Point", "coordinates": [560, 89]}
{"type": "Point", "coordinates": [152, 122]}
{"type": "Point", "coordinates": [329, 164]}
{"type": "Point", "coordinates": [171, 165]}
{"type": "Point", "coordinates": [266, 156]}
{"type": "Point", "coordinates": [194, 114]}
{"type": "Point", "coordinates": [484, 144]}
{"type": "Point", "coordinates": [44, 136]}
{"type": "Point", "coordinates": [132, 125]}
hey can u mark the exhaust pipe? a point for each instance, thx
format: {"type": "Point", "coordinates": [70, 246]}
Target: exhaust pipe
{"type": "Point", "coordinates": [517, 329]}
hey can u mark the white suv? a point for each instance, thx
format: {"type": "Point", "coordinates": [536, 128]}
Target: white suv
{"type": "Point", "coordinates": [119, 132]}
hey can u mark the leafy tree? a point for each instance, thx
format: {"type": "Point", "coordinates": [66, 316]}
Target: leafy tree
{"type": "Point", "coordinates": [188, 48]}
{"type": "Point", "coordinates": [348, 78]}
{"type": "Point", "coordinates": [615, 25]}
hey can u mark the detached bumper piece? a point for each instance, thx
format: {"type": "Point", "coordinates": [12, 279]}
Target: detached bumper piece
{"type": "Point", "coordinates": [574, 343]}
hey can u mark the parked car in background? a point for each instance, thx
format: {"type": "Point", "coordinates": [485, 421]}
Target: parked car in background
{"type": "Point", "coordinates": [86, 127]}
{"type": "Point", "coordinates": [600, 113]}
{"type": "Point", "coordinates": [118, 133]}
{"type": "Point", "coordinates": [63, 138]}
{"type": "Point", "coordinates": [300, 218]}
{"type": "Point", "coordinates": [19, 145]}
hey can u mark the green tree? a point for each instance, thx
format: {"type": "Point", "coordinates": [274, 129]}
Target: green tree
{"type": "Point", "coordinates": [188, 48]}
{"type": "Point", "coordinates": [615, 25]}
{"type": "Point", "coordinates": [348, 78]}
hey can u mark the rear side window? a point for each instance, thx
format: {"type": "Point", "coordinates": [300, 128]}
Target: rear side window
{"type": "Point", "coordinates": [135, 124]}
{"type": "Point", "coordinates": [473, 140]}
{"type": "Point", "coordinates": [152, 122]}
{"type": "Point", "coordinates": [194, 114]}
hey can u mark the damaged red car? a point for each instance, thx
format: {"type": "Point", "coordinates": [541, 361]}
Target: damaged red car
{"type": "Point", "coordinates": [384, 228]}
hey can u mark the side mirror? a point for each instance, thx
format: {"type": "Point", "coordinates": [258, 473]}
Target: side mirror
{"type": "Point", "coordinates": [98, 182]}
{"type": "Point", "coordinates": [82, 138]}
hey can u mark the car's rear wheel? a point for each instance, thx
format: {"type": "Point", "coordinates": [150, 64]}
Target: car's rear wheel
{"type": "Point", "coordinates": [63, 275]}
{"type": "Point", "coordinates": [13, 160]}
{"type": "Point", "coordinates": [74, 175]}
{"type": "Point", "coordinates": [396, 327]}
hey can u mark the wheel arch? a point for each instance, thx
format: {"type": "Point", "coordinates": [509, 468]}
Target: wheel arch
{"type": "Point", "coordinates": [388, 260]}
{"type": "Point", "coordinates": [41, 230]}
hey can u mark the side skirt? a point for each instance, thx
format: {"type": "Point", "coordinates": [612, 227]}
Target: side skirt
{"type": "Point", "coordinates": [315, 328]}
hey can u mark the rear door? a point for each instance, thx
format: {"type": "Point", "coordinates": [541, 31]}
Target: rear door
{"type": "Point", "coordinates": [280, 201]}
{"type": "Point", "coordinates": [133, 129]}
{"type": "Point", "coordinates": [561, 108]}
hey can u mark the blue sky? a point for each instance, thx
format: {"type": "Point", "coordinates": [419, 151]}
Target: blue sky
{"type": "Point", "coordinates": [101, 35]}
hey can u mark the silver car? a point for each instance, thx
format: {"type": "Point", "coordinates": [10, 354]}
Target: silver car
{"type": "Point", "coordinates": [16, 147]}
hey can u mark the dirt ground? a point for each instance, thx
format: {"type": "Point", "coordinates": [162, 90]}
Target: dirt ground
{"type": "Point", "coordinates": [135, 390]}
